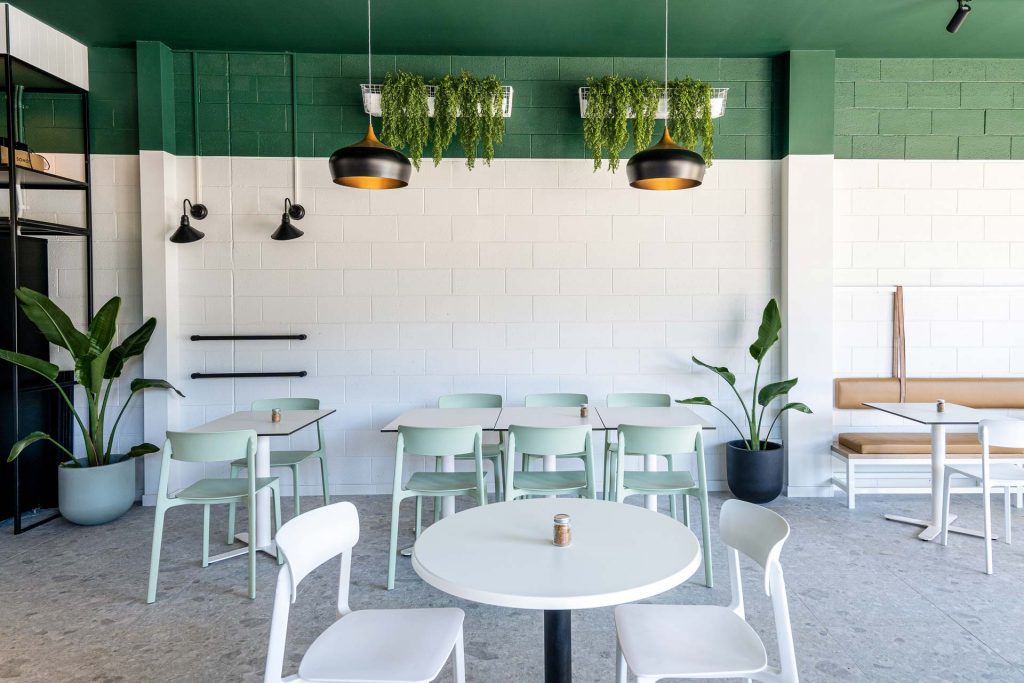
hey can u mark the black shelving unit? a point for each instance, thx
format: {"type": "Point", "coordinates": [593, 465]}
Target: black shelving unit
{"type": "Point", "coordinates": [19, 390]}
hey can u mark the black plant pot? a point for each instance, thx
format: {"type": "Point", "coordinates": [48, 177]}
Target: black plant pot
{"type": "Point", "coordinates": [755, 476]}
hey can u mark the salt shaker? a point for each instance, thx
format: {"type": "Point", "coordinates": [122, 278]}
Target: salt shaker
{"type": "Point", "coordinates": [275, 415]}
{"type": "Point", "coordinates": [563, 530]}
{"type": "Point", "coordinates": [584, 410]}
{"type": "Point", "coordinates": [940, 406]}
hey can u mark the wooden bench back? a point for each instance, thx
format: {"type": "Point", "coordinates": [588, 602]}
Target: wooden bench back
{"type": "Point", "coordinates": [974, 392]}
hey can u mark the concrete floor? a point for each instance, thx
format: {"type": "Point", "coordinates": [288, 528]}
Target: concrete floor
{"type": "Point", "coordinates": [869, 602]}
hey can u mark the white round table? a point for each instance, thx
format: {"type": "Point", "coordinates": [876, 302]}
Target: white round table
{"type": "Point", "coordinates": [502, 554]}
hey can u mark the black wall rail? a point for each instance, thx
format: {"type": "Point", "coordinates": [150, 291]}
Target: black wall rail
{"type": "Point", "coordinates": [222, 375]}
{"type": "Point", "coordinates": [245, 337]}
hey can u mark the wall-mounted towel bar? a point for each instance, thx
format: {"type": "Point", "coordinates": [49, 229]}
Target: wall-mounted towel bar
{"type": "Point", "coordinates": [221, 375]}
{"type": "Point", "coordinates": [244, 337]}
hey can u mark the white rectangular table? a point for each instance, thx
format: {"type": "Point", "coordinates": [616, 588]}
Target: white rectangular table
{"type": "Point", "coordinates": [667, 416]}
{"type": "Point", "coordinates": [928, 414]}
{"type": "Point", "coordinates": [260, 422]}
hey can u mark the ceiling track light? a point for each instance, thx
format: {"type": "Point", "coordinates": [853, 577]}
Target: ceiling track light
{"type": "Point", "coordinates": [962, 10]}
{"type": "Point", "coordinates": [287, 231]}
{"type": "Point", "coordinates": [185, 232]}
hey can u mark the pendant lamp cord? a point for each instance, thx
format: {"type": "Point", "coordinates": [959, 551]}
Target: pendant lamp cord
{"type": "Point", "coordinates": [369, 54]}
{"type": "Point", "coordinates": [666, 49]}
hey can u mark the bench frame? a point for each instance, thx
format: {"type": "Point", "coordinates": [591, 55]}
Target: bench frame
{"type": "Point", "coordinates": [849, 484]}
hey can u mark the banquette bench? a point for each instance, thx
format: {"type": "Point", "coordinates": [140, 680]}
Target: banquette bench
{"type": "Point", "coordinates": [857, 449]}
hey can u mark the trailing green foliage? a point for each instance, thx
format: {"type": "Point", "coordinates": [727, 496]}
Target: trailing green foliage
{"type": "Point", "coordinates": [405, 118]}
{"type": "Point", "coordinates": [95, 363]}
{"type": "Point", "coordinates": [606, 126]}
{"type": "Point", "coordinates": [446, 115]}
{"type": "Point", "coordinates": [689, 115]}
{"type": "Point", "coordinates": [467, 94]}
{"type": "Point", "coordinates": [767, 336]}
{"type": "Point", "coordinates": [492, 127]}
{"type": "Point", "coordinates": [644, 96]}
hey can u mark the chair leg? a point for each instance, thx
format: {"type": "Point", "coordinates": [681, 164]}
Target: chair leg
{"type": "Point", "coordinates": [1020, 497]}
{"type": "Point", "coordinates": [297, 499]}
{"type": "Point", "coordinates": [705, 529]}
{"type": "Point", "coordinates": [986, 492]}
{"type": "Point", "coordinates": [323, 480]}
{"type": "Point", "coordinates": [277, 518]}
{"type": "Point", "coordinates": [499, 479]}
{"type": "Point", "coordinates": [459, 665]}
{"type": "Point", "coordinates": [672, 498]}
{"type": "Point", "coordinates": [1006, 511]}
{"type": "Point", "coordinates": [154, 560]}
{"type": "Point", "coordinates": [231, 510]}
{"type": "Point", "coordinates": [395, 504]}
{"type": "Point", "coordinates": [621, 670]}
{"type": "Point", "coordinates": [206, 535]}
{"type": "Point", "coordinates": [851, 483]}
{"type": "Point", "coordinates": [419, 516]}
{"type": "Point", "coordinates": [251, 505]}
{"type": "Point", "coordinates": [686, 510]}
{"type": "Point", "coordinates": [945, 506]}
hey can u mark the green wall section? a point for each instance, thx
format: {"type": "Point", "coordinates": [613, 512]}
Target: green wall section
{"type": "Point", "coordinates": [245, 100]}
{"type": "Point", "coordinates": [807, 113]}
{"type": "Point", "coordinates": [929, 108]}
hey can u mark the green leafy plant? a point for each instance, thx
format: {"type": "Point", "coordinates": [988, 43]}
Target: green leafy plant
{"type": "Point", "coordinates": [606, 126]}
{"type": "Point", "coordinates": [446, 115]}
{"type": "Point", "coordinates": [767, 336]}
{"type": "Point", "coordinates": [97, 366]}
{"type": "Point", "coordinates": [467, 94]}
{"type": "Point", "coordinates": [405, 117]}
{"type": "Point", "coordinates": [689, 115]}
{"type": "Point", "coordinates": [492, 128]}
{"type": "Point", "coordinates": [644, 96]}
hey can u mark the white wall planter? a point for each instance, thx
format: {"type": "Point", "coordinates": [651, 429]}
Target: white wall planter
{"type": "Point", "coordinates": [718, 100]}
{"type": "Point", "coordinates": [371, 99]}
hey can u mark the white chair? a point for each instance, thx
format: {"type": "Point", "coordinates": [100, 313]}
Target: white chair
{"type": "Point", "coordinates": [1005, 433]}
{"type": "Point", "coordinates": [706, 641]}
{"type": "Point", "coordinates": [395, 645]}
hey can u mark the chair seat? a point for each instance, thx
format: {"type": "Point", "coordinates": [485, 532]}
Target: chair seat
{"type": "Point", "coordinates": [996, 472]}
{"type": "Point", "coordinates": [442, 482]}
{"type": "Point", "coordinates": [280, 458]}
{"type": "Point", "coordinates": [672, 641]}
{"type": "Point", "coordinates": [211, 489]}
{"type": "Point", "coordinates": [491, 450]}
{"type": "Point", "coordinates": [916, 443]}
{"type": "Point", "coordinates": [550, 481]}
{"type": "Point", "coordinates": [659, 481]}
{"type": "Point", "coordinates": [383, 645]}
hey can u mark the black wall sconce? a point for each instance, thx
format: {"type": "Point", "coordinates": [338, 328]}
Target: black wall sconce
{"type": "Point", "coordinates": [185, 232]}
{"type": "Point", "coordinates": [287, 231]}
{"type": "Point", "coordinates": [959, 17]}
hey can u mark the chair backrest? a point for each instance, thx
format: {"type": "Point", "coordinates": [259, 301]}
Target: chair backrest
{"type": "Point", "coordinates": [658, 440]}
{"type": "Point", "coordinates": [439, 441]}
{"type": "Point", "coordinates": [211, 446]}
{"type": "Point", "coordinates": [549, 440]}
{"type": "Point", "coordinates": [759, 533]}
{"type": "Point", "coordinates": [1004, 433]}
{"type": "Point", "coordinates": [286, 404]}
{"type": "Point", "coordinates": [639, 400]}
{"type": "Point", "coordinates": [469, 401]}
{"type": "Point", "coordinates": [306, 542]}
{"type": "Point", "coordinates": [556, 400]}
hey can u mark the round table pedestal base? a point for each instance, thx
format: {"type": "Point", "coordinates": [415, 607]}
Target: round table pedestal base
{"type": "Point", "coordinates": [557, 646]}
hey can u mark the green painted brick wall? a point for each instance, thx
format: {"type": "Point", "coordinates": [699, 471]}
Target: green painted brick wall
{"type": "Point", "coordinates": [929, 109]}
{"type": "Point", "coordinates": [245, 100]}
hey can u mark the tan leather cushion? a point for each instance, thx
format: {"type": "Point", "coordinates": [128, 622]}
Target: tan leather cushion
{"type": "Point", "coordinates": [975, 392]}
{"type": "Point", "coordinates": [915, 444]}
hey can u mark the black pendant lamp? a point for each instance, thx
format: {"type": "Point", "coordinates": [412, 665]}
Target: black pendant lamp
{"type": "Point", "coordinates": [287, 231]}
{"type": "Point", "coordinates": [369, 164]}
{"type": "Point", "coordinates": [185, 232]}
{"type": "Point", "coordinates": [666, 165]}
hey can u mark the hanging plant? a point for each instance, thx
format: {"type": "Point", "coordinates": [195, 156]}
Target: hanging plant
{"type": "Point", "coordinates": [446, 112]}
{"type": "Point", "coordinates": [644, 96]}
{"type": "Point", "coordinates": [492, 130]}
{"type": "Point", "coordinates": [689, 115]}
{"type": "Point", "coordinates": [611, 100]}
{"type": "Point", "coordinates": [405, 118]}
{"type": "Point", "coordinates": [467, 93]}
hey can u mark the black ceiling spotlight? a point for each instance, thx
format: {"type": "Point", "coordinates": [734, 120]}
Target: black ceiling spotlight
{"type": "Point", "coordinates": [185, 232]}
{"type": "Point", "coordinates": [287, 231]}
{"type": "Point", "coordinates": [962, 10]}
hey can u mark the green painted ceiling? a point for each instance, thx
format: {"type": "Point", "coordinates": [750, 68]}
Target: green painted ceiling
{"type": "Point", "coordinates": [879, 28]}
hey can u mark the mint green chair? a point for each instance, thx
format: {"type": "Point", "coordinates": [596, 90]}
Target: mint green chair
{"type": "Point", "coordinates": [629, 400]}
{"type": "Point", "coordinates": [492, 451]}
{"type": "Point", "coordinates": [554, 400]}
{"type": "Point", "coordinates": [206, 448]}
{"type": "Point", "coordinates": [434, 442]}
{"type": "Point", "coordinates": [289, 459]}
{"type": "Point", "coordinates": [635, 440]}
{"type": "Point", "coordinates": [573, 441]}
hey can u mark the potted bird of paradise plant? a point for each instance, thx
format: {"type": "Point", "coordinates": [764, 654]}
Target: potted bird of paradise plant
{"type": "Point", "coordinates": [754, 463]}
{"type": "Point", "coordinates": [99, 487]}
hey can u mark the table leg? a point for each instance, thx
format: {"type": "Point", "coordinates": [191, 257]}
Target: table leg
{"type": "Point", "coordinates": [557, 646]}
{"type": "Point", "coordinates": [264, 541]}
{"type": "Point", "coordinates": [933, 526]}
{"type": "Point", "coordinates": [651, 465]}
{"type": "Point", "coordinates": [448, 502]}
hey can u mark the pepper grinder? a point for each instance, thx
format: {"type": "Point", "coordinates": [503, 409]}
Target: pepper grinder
{"type": "Point", "coordinates": [940, 406]}
{"type": "Point", "coordinates": [584, 410]}
{"type": "Point", "coordinates": [275, 415]}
